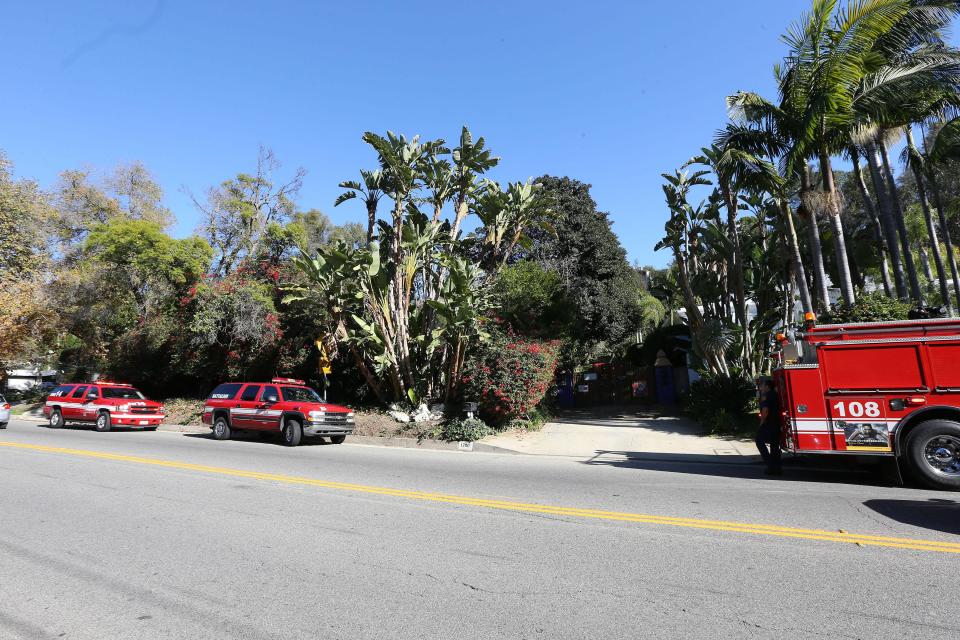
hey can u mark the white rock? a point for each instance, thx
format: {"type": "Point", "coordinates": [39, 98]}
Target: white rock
{"type": "Point", "coordinates": [399, 416]}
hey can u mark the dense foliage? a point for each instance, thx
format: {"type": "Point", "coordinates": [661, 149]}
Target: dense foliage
{"type": "Point", "coordinates": [871, 307]}
{"type": "Point", "coordinates": [723, 403]}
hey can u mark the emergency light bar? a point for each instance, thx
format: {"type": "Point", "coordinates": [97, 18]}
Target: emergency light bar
{"type": "Point", "coordinates": [287, 381]}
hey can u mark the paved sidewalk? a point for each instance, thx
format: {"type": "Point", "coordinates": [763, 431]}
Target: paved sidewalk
{"type": "Point", "coordinates": [624, 432]}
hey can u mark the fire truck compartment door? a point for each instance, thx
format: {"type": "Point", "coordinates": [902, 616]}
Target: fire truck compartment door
{"type": "Point", "coordinates": [859, 423]}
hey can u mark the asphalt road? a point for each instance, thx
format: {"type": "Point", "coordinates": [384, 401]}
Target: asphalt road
{"type": "Point", "coordinates": [163, 535]}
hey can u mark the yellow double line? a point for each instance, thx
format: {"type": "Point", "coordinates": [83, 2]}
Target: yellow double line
{"type": "Point", "coordinates": [506, 505]}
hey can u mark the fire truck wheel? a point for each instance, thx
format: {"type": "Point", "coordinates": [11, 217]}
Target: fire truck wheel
{"type": "Point", "coordinates": [933, 449]}
{"type": "Point", "coordinates": [103, 422]}
{"type": "Point", "coordinates": [56, 419]}
{"type": "Point", "coordinates": [221, 430]}
{"type": "Point", "coordinates": [337, 439]}
{"type": "Point", "coordinates": [292, 433]}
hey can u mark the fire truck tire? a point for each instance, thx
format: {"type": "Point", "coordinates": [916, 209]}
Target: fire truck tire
{"type": "Point", "coordinates": [292, 432]}
{"type": "Point", "coordinates": [103, 422]}
{"type": "Point", "coordinates": [56, 419]}
{"type": "Point", "coordinates": [149, 428]}
{"type": "Point", "coordinates": [221, 429]}
{"type": "Point", "coordinates": [337, 439]}
{"type": "Point", "coordinates": [933, 451]}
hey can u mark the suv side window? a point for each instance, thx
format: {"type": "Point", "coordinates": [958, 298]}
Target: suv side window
{"type": "Point", "coordinates": [93, 393]}
{"type": "Point", "coordinates": [78, 392]}
{"type": "Point", "coordinates": [270, 391]}
{"type": "Point", "coordinates": [226, 391]}
{"type": "Point", "coordinates": [250, 393]}
{"type": "Point", "coordinates": [61, 391]}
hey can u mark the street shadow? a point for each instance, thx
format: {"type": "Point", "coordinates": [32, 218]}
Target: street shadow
{"type": "Point", "coordinates": [262, 437]}
{"type": "Point", "coordinates": [657, 419]}
{"type": "Point", "coordinates": [795, 468]}
{"type": "Point", "coordinates": [936, 514]}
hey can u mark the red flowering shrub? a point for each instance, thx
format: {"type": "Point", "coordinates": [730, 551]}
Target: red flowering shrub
{"type": "Point", "coordinates": [509, 375]}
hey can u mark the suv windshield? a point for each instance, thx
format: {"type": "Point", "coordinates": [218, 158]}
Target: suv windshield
{"type": "Point", "coordinates": [122, 393]}
{"type": "Point", "coordinates": [300, 394]}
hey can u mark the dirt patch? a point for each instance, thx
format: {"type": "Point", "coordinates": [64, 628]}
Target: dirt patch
{"type": "Point", "coordinates": [375, 423]}
{"type": "Point", "coordinates": [186, 411]}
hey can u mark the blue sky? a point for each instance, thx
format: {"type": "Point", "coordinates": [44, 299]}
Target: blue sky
{"type": "Point", "coordinates": [610, 93]}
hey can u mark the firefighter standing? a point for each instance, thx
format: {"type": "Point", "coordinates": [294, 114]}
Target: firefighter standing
{"type": "Point", "coordinates": [769, 432]}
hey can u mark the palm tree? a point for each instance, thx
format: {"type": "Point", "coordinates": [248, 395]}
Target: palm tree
{"type": "Point", "coordinates": [831, 52]}
{"type": "Point", "coordinates": [871, 209]}
{"type": "Point", "coordinates": [915, 162]}
{"type": "Point", "coordinates": [751, 151]}
{"type": "Point", "coordinates": [944, 146]}
{"type": "Point", "coordinates": [725, 171]}
{"type": "Point", "coordinates": [369, 191]}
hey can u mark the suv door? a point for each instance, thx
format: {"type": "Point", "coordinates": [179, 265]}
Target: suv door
{"type": "Point", "coordinates": [242, 415]}
{"type": "Point", "coordinates": [73, 405]}
{"type": "Point", "coordinates": [91, 402]}
{"type": "Point", "coordinates": [267, 416]}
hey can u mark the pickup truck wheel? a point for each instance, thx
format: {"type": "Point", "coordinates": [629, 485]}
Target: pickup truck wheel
{"type": "Point", "coordinates": [221, 429]}
{"type": "Point", "coordinates": [933, 450]}
{"type": "Point", "coordinates": [56, 419]}
{"type": "Point", "coordinates": [292, 433]}
{"type": "Point", "coordinates": [103, 422]}
{"type": "Point", "coordinates": [337, 439]}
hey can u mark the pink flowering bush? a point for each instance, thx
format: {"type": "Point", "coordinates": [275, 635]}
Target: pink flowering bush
{"type": "Point", "coordinates": [509, 375]}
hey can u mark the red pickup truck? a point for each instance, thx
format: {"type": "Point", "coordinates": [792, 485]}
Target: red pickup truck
{"type": "Point", "coordinates": [102, 404]}
{"type": "Point", "coordinates": [283, 405]}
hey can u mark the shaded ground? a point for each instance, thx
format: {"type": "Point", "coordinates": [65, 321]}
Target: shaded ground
{"type": "Point", "coordinates": [621, 431]}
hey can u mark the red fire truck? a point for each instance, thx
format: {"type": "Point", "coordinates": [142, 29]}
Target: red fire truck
{"type": "Point", "coordinates": [875, 389]}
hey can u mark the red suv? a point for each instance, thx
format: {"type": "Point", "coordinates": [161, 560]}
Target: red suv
{"type": "Point", "coordinates": [103, 404]}
{"type": "Point", "coordinates": [283, 405]}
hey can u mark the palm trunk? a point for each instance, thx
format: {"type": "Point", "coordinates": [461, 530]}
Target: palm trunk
{"type": "Point", "coordinates": [931, 227]}
{"type": "Point", "coordinates": [730, 199]}
{"type": "Point", "coordinates": [886, 221]}
{"type": "Point", "coordinates": [840, 245]}
{"type": "Point", "coordinates": [948, 243]}
{"type": "Point", "coordinates": [816, 248]}
{"type": "Point", "coordinates": [897, 210]}
{"type": "Point", "coordinates": [871, 210]}
{"type": "Point", "coordinates": [799, 273]}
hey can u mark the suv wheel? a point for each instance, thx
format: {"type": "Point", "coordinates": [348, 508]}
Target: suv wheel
{"type": "Point", "coordinates": [933, 449]}
{"type": "Point", "coordinates": [292, 433]}
{"type": "Point", "coordinates": [337, 439]}
{"type": "Point", "coordinates": [56, 419]}
{"type": "Point", "coordinates": [103, 422]}
{"type": "Point", "coordinates": [221, 429]}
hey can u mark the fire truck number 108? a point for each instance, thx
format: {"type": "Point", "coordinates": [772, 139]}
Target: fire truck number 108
{"type": "Point", "coordinates": [857, 409]}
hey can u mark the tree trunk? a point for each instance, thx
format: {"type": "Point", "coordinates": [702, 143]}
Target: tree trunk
{"type": "Point", "coordinates": [886, 221]}
{"type": "Point", "coordinates": [948, 243]}
{"type": "Point", "coordinates": [799, 273]}
{"type": "Point", "coordinates": [730, 199]}
{"type": "Point", "coordinates": [371, 219]}
{"type": "Point", "coordinates": [931, 227]}
{"type": "Point", "coordinates": [840, 245]}
{"type": "Point", "coordinates": [871, 210]}
{"type": "Point", "coordinates": [897, 210]}
{"type": "Point", "coordinates": [816, 248]}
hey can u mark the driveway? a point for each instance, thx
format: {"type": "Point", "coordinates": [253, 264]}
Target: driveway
{"type": "Point", "coordinates": [629, 432]}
